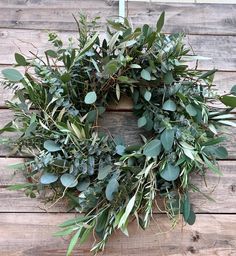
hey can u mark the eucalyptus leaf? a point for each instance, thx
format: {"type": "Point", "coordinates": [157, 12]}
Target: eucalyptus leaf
{"type": "Point", "coordinates": [48, 178]}
{"type": "Point", "coordinates": [191, 110]}
{"type": "Point", "coordinates": [169, 105]}
{"type": "Point", "coordinates": [68, 180]}
{"type": "Point", "coordinates": [233, 90]}
{"type": "Point", "coordinates": [112, 187]}
{"type": "Point", "coordinates": [20, 59]}
{"type": "Point", "coordinates": [104, 171]}
{"type": "Point", "coordinates": [152, 148]}
{"type": "Point", "coordinates": [90, 98]}
{"type": "Point", "coordinates": [12, 74]}
{"type": "Point", "coordinates": [51, 146]}
{"type": "Point", "coordinates": [167, 139]}
{"type": "Point", "coordinates": [170, 172]}
{"type": "Point", "coordinates": [142, 121]}
{"type": "Point", "coordinates": [145, 75]}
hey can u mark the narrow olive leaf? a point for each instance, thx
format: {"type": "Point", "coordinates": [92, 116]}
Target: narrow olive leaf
{"type": "Point", "coordinates": [64, 232]}
{"type": "Point", "coordinates": [207, 74]}
{"type": "Point", "coordinates": [48, 178]}
{"type": "Point", "coordinates": [74, 221]}
{"type": "Point", "coordinates": [51, 53]}
{"type": "Point", "coordinates": [192, 217]}
{"type": "Point", "coordinates": [142, 121]}
{"type": "Point", "coordinates": [160, 22]}
{"type": "Point", "coordinates": [101, 221]}
{"type": "Point", "coordinates": [135, 66]}
{"type": "Point", "coordinates": [170, 172]}
{"type": "Point", "coordinates": [51, 146]}
{"type": "Point", "coordinates": [228, 123]}
{"type": "Point", "coordinates": [211, 166]}
{"type": "Point", "coordinates": [169, 105]}
{"type": "Point", "coordinates": [114, 39]}
{"type": "Point", "coordinates": [90, 98]}
{"type": "Point", "coordinates": [20, 59]}
{"type": "Point", "coordinates": [229, 101]}
{"type": "Point", "coordinates": [167, 139]}
{"type": "Point", "coordinates": [118, 91]}
{"type": "Point", "coordinates": [68, 180]}
{"type": "Point", "coordinates": [12, 74]}
{"type": "Point", "coordinates": [145, 75]}
{"type": "Point", "coordinates": [89, 44]}
{"type": "Point", "coordinates": [191, 110]}
{"type": "Point", "coordinates": [152, 148]}
{"type": "Point", "coordinates": [73, 242]}
{"type": "Point", "coordinates": [186, 208]}
{"type": "Point", "coordinates": [127, 212]}
{"type": "Point", "coordinates": [111, 188]}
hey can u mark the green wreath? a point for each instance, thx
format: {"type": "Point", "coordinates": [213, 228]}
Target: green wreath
{"type": "Point", "coordinates": [69, 89]}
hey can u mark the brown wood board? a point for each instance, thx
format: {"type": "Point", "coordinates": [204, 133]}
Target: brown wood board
{"type": "Point", "coordinates": [30, 234]}
{"type": "Point", "coordinates": [57, 15]}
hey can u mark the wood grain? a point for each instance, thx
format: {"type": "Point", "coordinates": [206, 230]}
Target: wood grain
{"type": "Point", "coordinates": [28, 234]}
{"type": "Point", "coordinates": [223, 54]}
{"type": "Point", "coordinates": [57, 15]}
{"type": "Point", "coordinates": [118, 123]}
{"type": "Point", "coordinates": [221, 189]}
{"type": "Point", "coordinates": [223, 82]}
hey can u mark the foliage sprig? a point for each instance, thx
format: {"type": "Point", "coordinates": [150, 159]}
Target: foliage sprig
{"type": "Point", "coordinates": [62, 95]}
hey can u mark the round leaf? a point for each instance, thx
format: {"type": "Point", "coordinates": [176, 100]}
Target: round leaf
{"type": "Point", "coordinates": [20, 59]}
{"type": "Point", "coordinates": [147, 95]}
{"type": "Point", "coordinates": [145, 75]}
{"type": "Point", "coordinates": [111, 188]}
{"type": "Point", "coordinates": [104, 171]}
{"type": "Point", "coordinates": [169, 105]}
{"type": "Point", "coordinates": [120, 149]}
{"type": "Point", "coordinates": [153, 148]}
{"type": "Point", "coordinates": [83, 184]}
{"type": "Point", "coordinates": [68, 180]}
{"type": "Point", "coordinates": [48, 178]}
{"type": "Point", "coordinates": [191, 110]}
{"type": "Point", "coordinates": [12, 74]}
{"type": "Point", "coordinates": [170, 172]}
{"type": "Point", "coordinates": [167, 138]}
{"type": "Point", "coordinates": [142, 121]}
{"type": "Point", "coordinates": [51, 146]}
{"type": "Point", "coordinates": [90, 98]}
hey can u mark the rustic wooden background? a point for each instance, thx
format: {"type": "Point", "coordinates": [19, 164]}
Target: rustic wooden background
{"type": "Point", "coordinates": [25, 228]}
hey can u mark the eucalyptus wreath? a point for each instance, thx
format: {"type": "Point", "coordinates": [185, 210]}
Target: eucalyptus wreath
{"type": "Point", "coordinates": [65, 91]}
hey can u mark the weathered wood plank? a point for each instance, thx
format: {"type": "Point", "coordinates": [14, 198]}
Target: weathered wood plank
{"type": "Point", "coordinates": [223, 54]}
{"type": "Point", "coordinates": [223, 81]}
{"type": "Point", "coordinates": [118, 123]}
{"type": "Point", "coordinates": [221, 189]}
{"type": "Point", "coordinates": [188, 18]}
{"type": "Point", "coordinates": [31, 234]}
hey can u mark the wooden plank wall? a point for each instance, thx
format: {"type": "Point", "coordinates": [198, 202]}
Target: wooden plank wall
{"type": "Point", "coordinates": [25, 227]}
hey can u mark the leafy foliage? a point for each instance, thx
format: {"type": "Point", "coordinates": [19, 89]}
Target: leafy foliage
{"type": "Point", "coordinates": [69, 89]}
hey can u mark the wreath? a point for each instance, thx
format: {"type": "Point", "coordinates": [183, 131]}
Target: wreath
{"type": "Point", "coordinates": [63, 94]}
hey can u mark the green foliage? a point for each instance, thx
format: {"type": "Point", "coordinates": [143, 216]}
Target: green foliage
{"type": "Point", "coordinates": [70, 87]}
